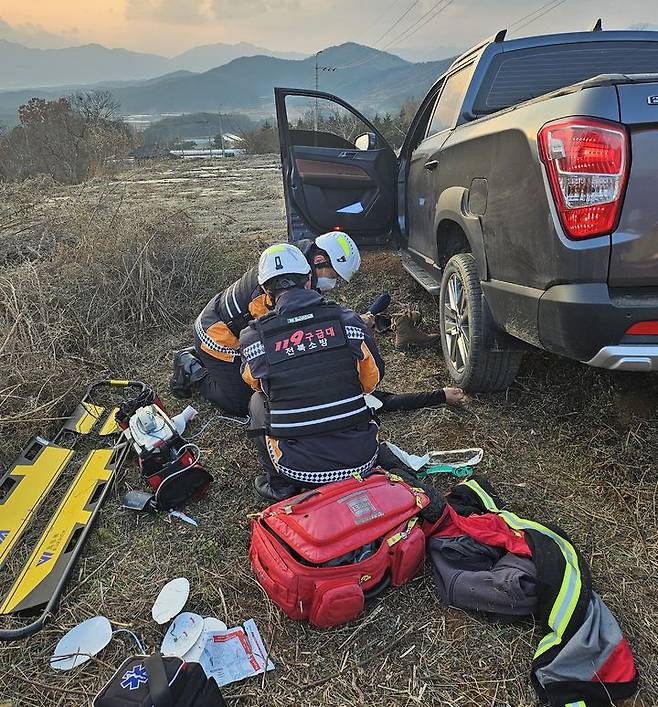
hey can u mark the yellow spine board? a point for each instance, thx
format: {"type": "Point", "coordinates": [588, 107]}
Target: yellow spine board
{"type": "Point", "coordinates": [70, 515]}
{"type": "Point", "coordinates": [110, 425]}
{"type": "Point", "coordinates": [84, 418]}
{"type": "Point", "coordinates": [36, 480]}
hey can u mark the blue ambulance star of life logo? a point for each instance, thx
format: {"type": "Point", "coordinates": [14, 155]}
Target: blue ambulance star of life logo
{"type": "Point", "coordinates": [134, 678]}
{"type": "Point", "coordinates": [4, 534]}
{"type": "Point", "coordinates": [44, 558]}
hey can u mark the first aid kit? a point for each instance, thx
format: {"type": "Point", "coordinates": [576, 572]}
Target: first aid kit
{"type": "Point", "coordinates": [322, 555]}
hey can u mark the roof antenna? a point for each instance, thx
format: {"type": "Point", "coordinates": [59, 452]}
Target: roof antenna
{"type": "Point", "coordinates": [598, 26]}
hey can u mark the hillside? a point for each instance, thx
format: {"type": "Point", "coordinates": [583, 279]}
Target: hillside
{"type": "Point", "coordinates": [247, 83]}
{"type": "Point", "coordinates": [369, 78]}
{"type": "Point", "coordinates": [106, 281]}
{"type": "Point", "coordinates": [209, 56]}
{"type": "Point", "coordinates": [21, 66]}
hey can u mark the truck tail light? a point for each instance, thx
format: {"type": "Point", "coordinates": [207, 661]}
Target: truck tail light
{"type": "Point", "coordinates": [649, 328]}
{"type": "Point", "coordinates": [587, 165]}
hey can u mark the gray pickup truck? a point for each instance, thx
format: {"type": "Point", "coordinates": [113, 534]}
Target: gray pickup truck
{"type": "Point", "coordinates": [524, 197]}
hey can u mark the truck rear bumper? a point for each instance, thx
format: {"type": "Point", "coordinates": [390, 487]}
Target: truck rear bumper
{"type": "Point", "coordinates": [588, 322]}
{"type": "Point", "coordinates": [627, 357]}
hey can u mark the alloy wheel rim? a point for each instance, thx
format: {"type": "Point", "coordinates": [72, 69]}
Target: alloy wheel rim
{"type": "Point", "coordinates": [455, 318]}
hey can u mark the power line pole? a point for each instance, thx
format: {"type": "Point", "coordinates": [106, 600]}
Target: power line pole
{"type": "Point", "coordinates": [221, 131]}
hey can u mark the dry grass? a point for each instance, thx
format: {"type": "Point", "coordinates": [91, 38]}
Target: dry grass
{"type": "Point", "coordinates": [115, 284]}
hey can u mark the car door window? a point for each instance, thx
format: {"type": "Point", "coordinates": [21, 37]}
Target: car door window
{"type": "Point", "coordinates": [420, 123]}
{"type": "Point", "coordinates": [450, 101]}
{"type": "Point", "coordinates": [318, 122]}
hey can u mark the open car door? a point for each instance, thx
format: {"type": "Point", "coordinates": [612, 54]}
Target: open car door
{"type": "Point", "coordinates": [339, 173]}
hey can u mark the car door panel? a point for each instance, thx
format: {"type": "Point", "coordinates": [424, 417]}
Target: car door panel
{"type": "Point", "coordinates": [332, 174]}
{"type": "Point", "coordinates": [422, 193]}
{"type": "Point", "coordinates": [330, 184]}
{"type": "Point", "coordinates": [427, 177]}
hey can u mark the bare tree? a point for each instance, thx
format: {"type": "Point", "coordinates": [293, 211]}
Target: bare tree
{"type": "Point", "coordinates": [72, 139]}
{"type": "Point", "coordinates": [96, 106]}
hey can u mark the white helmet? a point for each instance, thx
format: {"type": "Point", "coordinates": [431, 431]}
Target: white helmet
{"type": "Point", "coordinates": [342, 251]}
{"type": "Point", "coordinates": [281, 259]}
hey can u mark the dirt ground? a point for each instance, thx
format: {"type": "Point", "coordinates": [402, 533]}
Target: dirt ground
{"type": "Point", "coordinates": [565, 444]}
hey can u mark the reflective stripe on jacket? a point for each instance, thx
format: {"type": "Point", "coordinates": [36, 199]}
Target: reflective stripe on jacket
{"type": "Point", "coordinates": [218, 326]}
{"type": "Point", "coordinates": [583, 657]}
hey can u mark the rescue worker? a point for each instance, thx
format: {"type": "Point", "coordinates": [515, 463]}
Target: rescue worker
{"type": "Point", "coordinates": [309, 362]}
{"type": "Point", "coordinates": [212, 365]}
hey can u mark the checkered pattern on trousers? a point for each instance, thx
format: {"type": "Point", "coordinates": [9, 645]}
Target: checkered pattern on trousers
{"type": "Point", "coordinates": [320, 477]}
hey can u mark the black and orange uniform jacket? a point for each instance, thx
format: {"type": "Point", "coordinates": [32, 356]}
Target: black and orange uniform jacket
{"type": "Point", "coordinates": [314, 361]}
{"type": "Point", "coordinates": [582, 659]}
{"type": "Point", "coordinates": [218, 326]}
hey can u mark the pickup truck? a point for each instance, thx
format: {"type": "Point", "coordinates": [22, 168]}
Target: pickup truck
{"type": "Point", "coordinates": [524, 197]}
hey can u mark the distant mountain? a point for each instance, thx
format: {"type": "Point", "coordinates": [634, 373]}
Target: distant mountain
{"type": "Point", "coordinates": [21, 66]}
{"type": "Point", "coordinates": [644, 26]}
{"type": "Point", "coordinates": [371, 78]}
{"type": "Point", "coordinates": [210, 56]}
{"type": "Point", "coordinates": [172, 76]}
{"type": "Point", "coordinates": [368, 78]}
{"type": "Point", "coordinates": [428, 53]}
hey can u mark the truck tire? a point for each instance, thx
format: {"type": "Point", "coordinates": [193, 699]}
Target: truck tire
{"type": "Point", "coordinates": [471, 365]}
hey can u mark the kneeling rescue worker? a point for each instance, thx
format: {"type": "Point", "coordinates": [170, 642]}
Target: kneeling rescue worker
{"type": "Point", "coordinates": [212, 365]}
{"type": "Point", "coordinates": [310, 363]}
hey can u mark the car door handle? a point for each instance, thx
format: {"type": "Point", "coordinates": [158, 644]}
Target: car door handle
{"type": "Point", "coordinates": [431, 165]}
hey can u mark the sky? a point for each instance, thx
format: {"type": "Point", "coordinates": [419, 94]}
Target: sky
{"type": "Point", "coordinates": [171, 26]}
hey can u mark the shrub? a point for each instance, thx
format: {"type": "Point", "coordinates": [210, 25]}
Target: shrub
{"type": "Point", "coordinates": [71, 139]}
{"type": "Point", "coordinates": [97, 284]}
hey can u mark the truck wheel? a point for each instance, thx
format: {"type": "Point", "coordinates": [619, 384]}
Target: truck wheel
{"type": "Point", "coordinates": [470, 364]}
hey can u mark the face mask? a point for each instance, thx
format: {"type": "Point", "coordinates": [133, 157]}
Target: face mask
{"type": "Point", "coordinates": [325, 284]}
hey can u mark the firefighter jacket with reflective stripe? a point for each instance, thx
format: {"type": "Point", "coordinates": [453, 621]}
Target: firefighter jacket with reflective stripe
{"type": "Point", "coordinates": [314, 384]}
{"type": "Point", "coordinates": [313, 381]}
{"type": "Point", "coordinates": [218, 327]}
{"type": "Point", "coordinates": [583, 659]}
{"type": "Point", "coordinates": [309, 399]}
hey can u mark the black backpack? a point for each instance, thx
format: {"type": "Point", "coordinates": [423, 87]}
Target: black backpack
{"type": "Point", "coordinates": [154, 681]}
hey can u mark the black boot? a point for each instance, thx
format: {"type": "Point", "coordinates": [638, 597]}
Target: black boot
{"type": "Point", "coordinates": [383, 323]}
{"type": "Point", "coordinates": [271, 488]}
{"type": "Point", "coordinates": [188, 370]}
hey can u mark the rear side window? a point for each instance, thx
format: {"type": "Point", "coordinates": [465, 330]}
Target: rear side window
{"type": "Point", "coordinates": [450, 101]}
{"type": "Point", "coordinates": [527, 73]}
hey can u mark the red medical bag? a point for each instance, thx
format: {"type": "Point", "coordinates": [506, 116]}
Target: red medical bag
{"type": "Point", "coordinates": [323, 554]}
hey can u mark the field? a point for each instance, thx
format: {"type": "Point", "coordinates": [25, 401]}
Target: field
{"type": "Point", "coordinates": [105, 280]}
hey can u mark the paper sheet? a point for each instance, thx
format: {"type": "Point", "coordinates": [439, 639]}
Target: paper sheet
{"type": "Point", "coordinates": [356, 208]}
{"type": "Point", "coordinates": [235, 654]}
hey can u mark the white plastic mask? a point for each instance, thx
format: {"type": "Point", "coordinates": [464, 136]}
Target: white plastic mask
{"type": "Point", "coordinates": [326, 284]}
